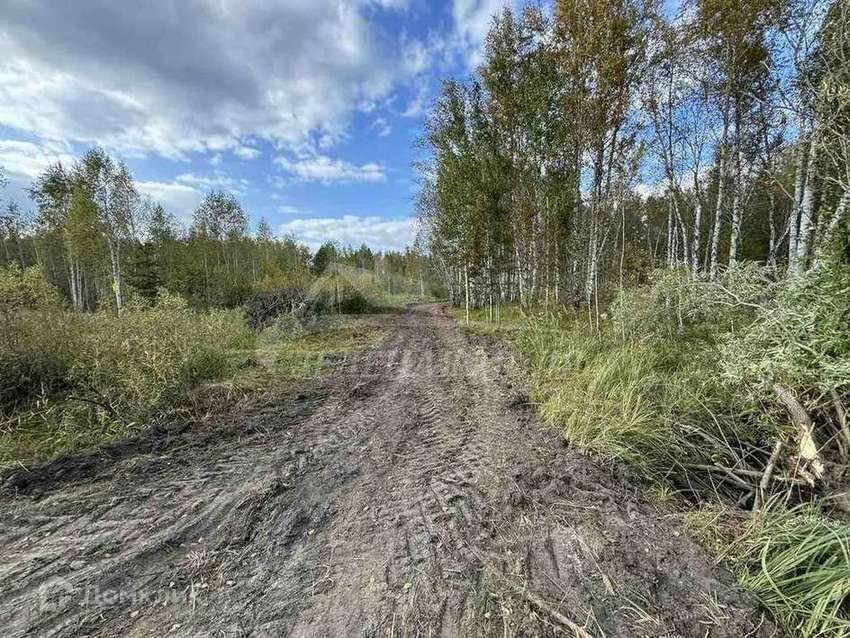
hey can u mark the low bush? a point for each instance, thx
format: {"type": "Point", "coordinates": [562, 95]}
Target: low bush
{"type": "Point", "coordinates": [264, 307]}
{"type": "Point", "coordinates": [69, 379]}
{"type": "Point", "coordinates": [147, 357]}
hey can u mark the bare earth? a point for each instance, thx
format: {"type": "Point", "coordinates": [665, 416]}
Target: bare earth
{"type": "Point", "coordinates": [411, 493]}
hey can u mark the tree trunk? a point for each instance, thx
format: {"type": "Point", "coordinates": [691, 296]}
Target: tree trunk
{"type": "Point", "coordinates": [799, 183]}
{"type": "Point", "coordinates": [806, 446]}
{"type": "Point", "coordinates": [737, 213]}
{"type": "Point", "coordinates": [718, 214]}
{"type": "Point", "coordinates": [829, 229]}
{"type": "Point", "coordinates": [466, 289]}
{"type": "Point", "coordinates": [696, 237]}
{"type": "Point", "coordinates": [115, 259]}
{"type": "Point", "coordinates": [806, 214]}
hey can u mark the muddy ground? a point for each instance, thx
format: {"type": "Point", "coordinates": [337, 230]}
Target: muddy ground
{"type": "Point", "coordinates": [412, 492]}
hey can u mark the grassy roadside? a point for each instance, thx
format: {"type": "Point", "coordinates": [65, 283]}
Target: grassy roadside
{"type": "Point", "coordinates": [669, 404]}
{"type": "Point", "coordinates": [104, 378]}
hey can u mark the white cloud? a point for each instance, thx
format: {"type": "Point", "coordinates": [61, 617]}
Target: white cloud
{"type": "Point", "coordinates": [179, 199]}
{"type": "Point", "coordinates": [27, 160]}
{"type": "Point", "coordinates": [321, 168]}
{"type": "Point", "coordinates": [645, 190]}
{"type": "Point", "coordinates": [246, 152]}
{"type": "Point", "coordinates": [393, 4]}
{"type": "Point", "coordinates": [382, 127]}
{"type": "Point", "coordinates": [193, 76]}
{"type": "Point", "coordinates": [416, 57]}
{"type": "Point", "coordinates": [288, 209]}
{"type": "Point", "coordinates": [473, 19]}
{"type": "Point", "coordinates": [380, 233]}
{"type": "Point", "coordinates": [417, 104]}
{"type": "Point", "coordinates": [219, 181]}
{"type": "Point", "coordinates": [21, 162]}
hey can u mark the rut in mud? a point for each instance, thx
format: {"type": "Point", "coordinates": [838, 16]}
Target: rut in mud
{"type": "Point", "coordinates": [414, 493]}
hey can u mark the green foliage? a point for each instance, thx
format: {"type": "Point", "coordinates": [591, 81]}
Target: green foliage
{"type": "Point", "coordinates": [676, 302]}
{"type": "Point", "coordinates": [25, 288]}
{"type": "Point", "coordinates": [681, 380]}
{"type": "Point", "coordinates": [800, 338]}
{"type": "Point", "coordinates": [148, 357]}
{"type": "Point", "coordinates": [324, 257]}
{"type": "Point", "coordinates": [680, 384]}
{"type": "Point", "coordinates": [32, 352]}
{"type": "Point", "coordinates": [80, 379]}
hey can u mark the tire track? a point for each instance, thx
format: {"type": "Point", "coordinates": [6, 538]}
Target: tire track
{"type": "Point", "coordinates": [412, 499]}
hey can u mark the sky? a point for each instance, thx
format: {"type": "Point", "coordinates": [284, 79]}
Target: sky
{"type": "Point", "coordinates": [307, 110]}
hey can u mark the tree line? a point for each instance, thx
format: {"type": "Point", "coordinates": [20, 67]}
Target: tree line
{"type": "Point", "coordinates": [100, 242]}
{"type": "Point", "coordinates": [602, 139]}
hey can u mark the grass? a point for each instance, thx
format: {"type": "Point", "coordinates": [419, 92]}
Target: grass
{"type": "Point", "coordinates": [306, 355]}
{"type": "Point", "coordinates": [797, 562]}
{"type": "Point", "coordinates": [512, 320]}
{"type": "Point", "coordinates": [595, 393]}
{"type": "Point", "coordinates": [242, 370]}
{"type": "Point", "coordinates": [659, 405]}
{"type": "Point", "coordinates": [604, 397]}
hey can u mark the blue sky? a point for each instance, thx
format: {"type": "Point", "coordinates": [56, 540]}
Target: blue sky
{"type": "Point", "coordinates": [308, 110]}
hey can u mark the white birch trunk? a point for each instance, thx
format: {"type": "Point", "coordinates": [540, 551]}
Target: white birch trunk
{"type": "Point", "coordinates": [794, 222]}
{"type": "Point", "coordinates": [737, 213]}
{"type": "Point", "coordinates": [829, 230]}
{"type": "Point", "coordinates": [718, 215]}
{"type": "Point", "coordinates": [806, 213]}
{"type": "Point", "coordinates": [696, 236]}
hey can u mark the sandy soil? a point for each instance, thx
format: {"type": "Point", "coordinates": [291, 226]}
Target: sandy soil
{"type": "Point", "coordinates": [413, 492]}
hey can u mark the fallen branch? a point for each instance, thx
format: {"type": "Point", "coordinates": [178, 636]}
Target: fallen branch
{"type": "Point", "coordinates": [805, 431]}
{"type": "Point", "coordinates": [735, 474]}
{"type": "Point", "coordinates": [543, 606]}
{"type": "Point", "coordinates": [728, 474]}
{"type": "Point", "coordinates": [101, 404]}
{"type": "Point", "coordinates": [768, 473]}
{"type": "Point", "coordinates": [841, 413]}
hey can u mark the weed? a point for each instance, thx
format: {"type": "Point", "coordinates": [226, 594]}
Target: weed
{"type": "Point", "coordinates": [797, 562]}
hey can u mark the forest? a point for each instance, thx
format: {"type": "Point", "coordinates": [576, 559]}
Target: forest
{"type": "Point", "coordinates": [566, 170]}
{"type": "Point", "coordinates": [101, 244]}
{"type": "Point", "coordinates": [653, 204]}
{"type": "Point", "coordinates": [111, 313]}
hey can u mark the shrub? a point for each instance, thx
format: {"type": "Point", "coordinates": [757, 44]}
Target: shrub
{"type": "Point", "coordinates": [343, 292]}
{"type": "Point", "coordinates": [34, 352]}
{"type": "Point", "coordinates": [682, 383]}
{"type": "Point", "coordinates": [80, 379]}
{"type": "Point", "coordinates": [146, 357]}
{"type": "Point", "coordinates": [800, 339]}
{"type": "Point", "coordinates": [677, 302]}
{"type": "Point", "coordinates": [654, 386]}
{"type": "Point", "coordinates": [263, 307]}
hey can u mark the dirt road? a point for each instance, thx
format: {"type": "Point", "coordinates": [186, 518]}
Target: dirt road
{"type": "Point", "coordinates": [412, 493]}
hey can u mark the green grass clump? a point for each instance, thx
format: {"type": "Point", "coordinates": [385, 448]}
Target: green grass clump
{"type": "Point", "coordinates": [797, 562]}
{"type": "Point", "coordinates": [600, 395]}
